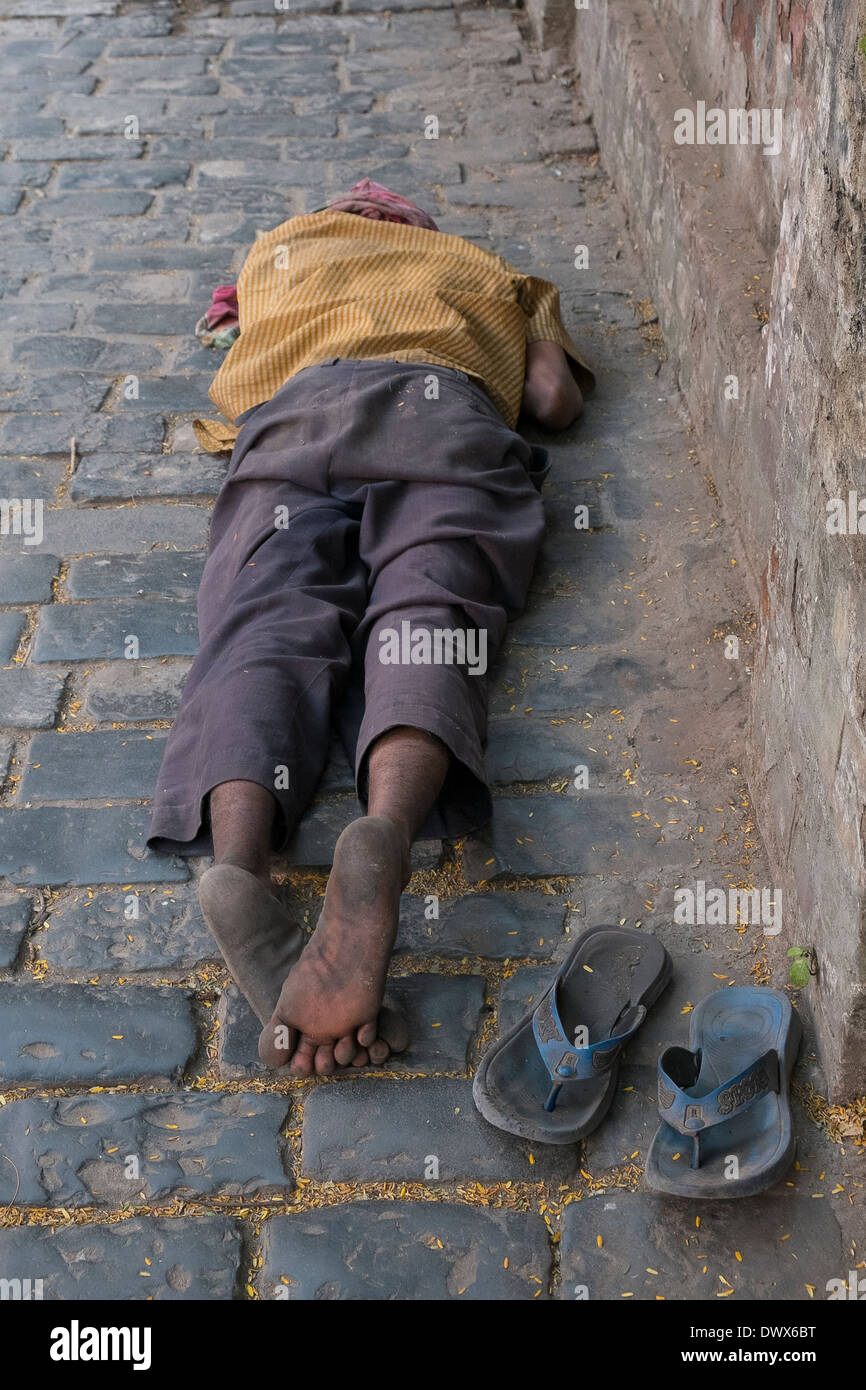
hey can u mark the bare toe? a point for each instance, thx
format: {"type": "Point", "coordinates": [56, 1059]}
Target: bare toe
{"type": "Point", "coordinates": [303, 1061]}
{"type": "Point", "coordinates": [277, 1043]}
{"type": "Point", "coordinates": [361, 1058]}
{"type": "Point", "coordinates": [379, 1052]}
{"type": "Point", "coordinates": [344, 1051]}
{"type": "Point", "coordinates": [324, 1059]}
{"type": "Point", "coordinates": [367, 1033]}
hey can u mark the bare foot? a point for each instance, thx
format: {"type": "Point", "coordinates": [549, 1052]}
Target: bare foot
{"type": "Point", "coordinates": [258, 940]}
{"type": "Point", "coordinates": [333, 995]}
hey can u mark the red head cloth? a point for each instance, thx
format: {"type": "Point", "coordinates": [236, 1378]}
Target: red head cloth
{"type": "Point", "coordinates": [403, 211]}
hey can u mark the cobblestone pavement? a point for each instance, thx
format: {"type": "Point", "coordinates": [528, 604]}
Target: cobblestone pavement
{"type": "Point", "coordinates": [144, 1152]}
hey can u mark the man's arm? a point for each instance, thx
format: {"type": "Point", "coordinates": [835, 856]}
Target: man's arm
{"type": "Point", "coordinates": [550, 393]}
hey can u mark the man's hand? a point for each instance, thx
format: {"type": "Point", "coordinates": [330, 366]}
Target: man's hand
{"type": "Point", "coordinates": [550, 393]}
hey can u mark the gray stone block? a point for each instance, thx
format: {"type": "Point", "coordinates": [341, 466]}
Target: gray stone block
{"type": "Point", "coordinates": [127, 691]}
{"type": "Point", "coordinates": [101, 629]}
{"type": "Point", "coordinates": [72, 531]}
{"type": "Point", "coordinates": [39, 350]}
{"type": "Point", "coordinates": [322, 126]}
{"type": "Point", "coordinates": [159, 319]}
{"type": "Point", "coordinates": [169, 573]}
{"type": "Point", "coordinates": [12, 627]}
{"type": "Point", "coordinates": [27, 579]}
{"type": "Point", "coordinates": [423, 1251]}
{"type": "Point", "coordinates": [73, 149]}
{"type": "Point", "coordinates": [76, 1151]}
{"type": "Point", "coordinates": [25, 175]}
{"type": "Point", "coordinates": [181, 391]}
{"type": "Point", "coordinates": [53, 1034]}
{"type": "Point", "coordinates": [70, 207]}
{"type": "Point", "coordinates": [14, 921]}
{"type": "Point", "coordinates": [546, 835]}
{"type": "Point", "coordinates": [25, 317]}
{"type": "Point", "coordinates": [130, 1261]}
{"type": "Point", "coordinates": [148, 174]}
{"type": "Point", "coordinates": [6, 749]}
{"type": "Point", "coordinates": [121, 25]}
{"type": "Point", "coordinates": [75, 395]}
{"type": "Point", "coordinates": [29, 478]}
{"type": "Point", "coordinates": [196, 86]}
{"type": "Point", "coordinates": [108, 477]}
{"type": "Point", "coordinates": [50, 434]}
{"type": "Point", "coordinates": [117, 931]}
{"type": "Point", "coordinates": [526, 749]}
{"type": "Point", "coordinates": [652, 1247]}
{"type": "Point", "coordinates": [569, 622]}
{"type": "Point", "coordinates": [81, 767]}
{"type": "Point", "coordinates": [101, 116]}
{"type": "Point", "coordinates": [574, 683]}
{"type": "Point", "coordinates": [491, 925]}
{"type": "Point", "coordinates": [30, 699]}
{"type": "Point", "coordinates": [220, 174]}
{"type": "Point", "coordinates": [54, 844]}
{"type": "Point", "coordinates": [374, 1130]}
{"type": "Point", "coordinates": [631, 1122]}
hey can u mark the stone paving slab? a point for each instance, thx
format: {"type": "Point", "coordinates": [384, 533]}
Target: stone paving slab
{"type": "Point", "coordinates": [79, 767]}
{"type": "Point", "coordinates": [143, 1258]}
{"type": "Point", "coordinates": [102, 629]}
{"type": "Point", "coordinates": [115, 530]}
{"type": "Point", "coordinates": [482, 924]}
{"type": "Point", "coordinates": [54, 845]}
{"type": "Point", "coordinates": [128, 690]}
{"type": "Point", "coordinates": [112, 477]}
{"type": "Point", "coordinates": [652, 1246]}
{"type": "Point", "coordinates": [30, 699]}
{"type": "Point", "coordinates": [6, 750]}
{"type": "Point", "coordinates": [54, 1034]}
{"type": "Point", "coordinates": [14, 921]}
{"type": "Point", "coordinates": [112, 1150]}
{"type": "Point", "coordinates": [27, 579]}
{"type": "Point", "coordinates": [12, 627]}
{"type": "Point", "coordinates": [631, 1122]}
{"type": "Point", "coordinates": [525, 749]}
{"type": "Point", "coordinates": [168, 573]}
{"type": "Point", "coordinates": [574, 682]}
{"type": "Point", "coordinates": [406, 1131]}
{"type": "Point", "coordinates": [546, 835]}
{"type": "Point", "coordinates": [385, 1251]}
{"type": "Point", "coordinates": [97, 931]}
{"type": "Point", "coordinates": [563, 623]}
{"type": "Point", "coordinates": [31, 434]}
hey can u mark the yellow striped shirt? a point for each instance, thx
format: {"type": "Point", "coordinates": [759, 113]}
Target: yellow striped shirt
{"type": "Point", "coordinates": [333, 284]}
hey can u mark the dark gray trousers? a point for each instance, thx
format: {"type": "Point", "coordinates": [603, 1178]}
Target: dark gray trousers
{"type": "Point", "coordinates": [379, 520]}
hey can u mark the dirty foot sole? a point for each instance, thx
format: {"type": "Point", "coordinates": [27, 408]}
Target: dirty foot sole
{"type": "Point", "coordinates": [334, 992]}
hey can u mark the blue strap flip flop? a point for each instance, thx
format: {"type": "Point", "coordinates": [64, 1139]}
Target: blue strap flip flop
{"type": "Point", "coordinates": [725, 1117]}
{"type": "Point", "coordinates": [552, 1077]}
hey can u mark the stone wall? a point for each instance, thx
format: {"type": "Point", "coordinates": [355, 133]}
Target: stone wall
{"type": "Point", "coordinates": [758, 268]}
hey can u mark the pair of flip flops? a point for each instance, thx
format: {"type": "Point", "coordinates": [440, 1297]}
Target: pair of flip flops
{"type": "Point", "coordinates": [552, 1078]}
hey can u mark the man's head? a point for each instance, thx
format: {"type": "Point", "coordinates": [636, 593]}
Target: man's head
{"type": "Point", "coordinates": [379, 204]}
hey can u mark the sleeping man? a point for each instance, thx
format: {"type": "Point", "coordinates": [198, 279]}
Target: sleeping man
{"type": "Point", "coordinates": [376, 530]}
